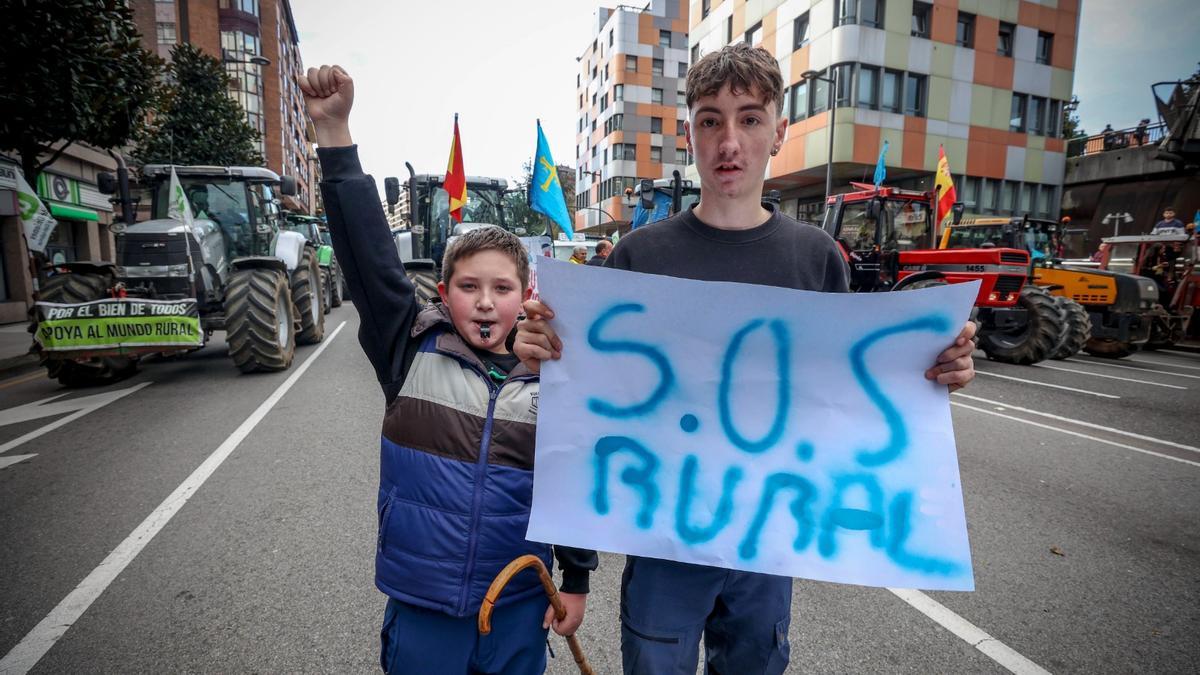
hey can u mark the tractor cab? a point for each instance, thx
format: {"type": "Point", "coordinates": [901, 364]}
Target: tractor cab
{"type": "Point", "coordinates": [1044, 240]}
{"type": "Point", "coordinates": [655, 200]}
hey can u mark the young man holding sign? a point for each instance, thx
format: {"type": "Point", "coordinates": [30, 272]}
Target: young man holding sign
{"type": "Point", "coordinates": [734, 101]}
{"type": "Point", "coordinates": [456, 448]}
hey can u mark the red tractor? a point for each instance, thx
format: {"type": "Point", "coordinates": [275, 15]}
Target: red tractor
{"type": "Point", "coordinates": [889, 239]}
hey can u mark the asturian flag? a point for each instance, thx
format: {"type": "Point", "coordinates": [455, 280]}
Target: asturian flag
{"type": "Point", "coordinates": [546, 193]}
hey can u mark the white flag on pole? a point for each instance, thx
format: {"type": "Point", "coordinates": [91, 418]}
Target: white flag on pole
{"type": "Point", "coordinates": [179, 209]}
{"type": "Point", "coordinates": [35, 217]}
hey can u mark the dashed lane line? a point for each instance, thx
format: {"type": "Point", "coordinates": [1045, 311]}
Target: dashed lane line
{"type": "Point", "coordinates": [1006, 656]}
{"type": "Point", "coordinates": [38, 641]}
{"type": "Point", "coordinates": [1076, 434]}
{"type": "Point", "coordinates": [1165, 364]}
{"type": "Point", "coordinates": [1045, 384]}
{"type": "Point", "coordinates": [1191, 356]}
{"type": "Point", "coordinates": [1140, 370]}
{"type": "Point", "coordinates": [1069, 420]}
{"type": "Point", "coordinates": [1107, 377]}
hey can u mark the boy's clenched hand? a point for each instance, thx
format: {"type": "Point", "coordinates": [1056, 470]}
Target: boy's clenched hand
{"type": "Point", "coordinates": [536, 340]}
{"type": "Point", "coordinates": [575, 604]}
{"type": "Point", "coordinates": [954, 366]}
{"type": "Point", "coordinates": [329, 95]}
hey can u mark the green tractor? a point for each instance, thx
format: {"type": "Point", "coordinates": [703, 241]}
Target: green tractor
{"type": "Point", "coordinates": [313, 230]}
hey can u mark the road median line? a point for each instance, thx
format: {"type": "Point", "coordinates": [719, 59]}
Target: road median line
{"type": "Point", "coordinates": [26, 654]}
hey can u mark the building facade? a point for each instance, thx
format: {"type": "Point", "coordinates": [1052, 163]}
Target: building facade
{"type": "Point", "coordinates": [258, 44]}
{"type": "Point", "coordinates": [985, 79]}
{"type": "Point", "coordinates": [630, 99]}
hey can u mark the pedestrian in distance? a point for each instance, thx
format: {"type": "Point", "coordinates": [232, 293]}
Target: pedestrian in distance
{"type": "Point", "coordinates": [1169, 223]}
{"type": "Point", "coordinates": [579, 255]}
{"type": "Point", "coordinates": [603, 248]}
{"type": "Point", "coordinates": [735, 124]}
{"type": "Point", "coordinates": [455, 481]}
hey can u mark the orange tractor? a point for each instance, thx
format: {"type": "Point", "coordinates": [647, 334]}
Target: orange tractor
{"type": "Point", "coordinates": [889, 239]}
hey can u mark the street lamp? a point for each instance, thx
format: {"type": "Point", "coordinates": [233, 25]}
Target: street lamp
{"type": "Point", "coordinates": [810, 75]}
{"type": "Point", "coordinates": [254, 60]}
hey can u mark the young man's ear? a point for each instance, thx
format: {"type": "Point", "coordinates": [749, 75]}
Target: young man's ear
{"type": "Point", "coordinates": [781, 131]}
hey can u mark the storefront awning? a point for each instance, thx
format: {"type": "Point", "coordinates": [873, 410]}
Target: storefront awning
{"type": "Point", "coordinates": [73, 212]}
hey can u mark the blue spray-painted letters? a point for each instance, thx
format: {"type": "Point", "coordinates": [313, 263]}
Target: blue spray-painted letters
{"type": "Point", "coordinates": [639, 478]}
{"type": "Point", "coordinates": [660, 361]}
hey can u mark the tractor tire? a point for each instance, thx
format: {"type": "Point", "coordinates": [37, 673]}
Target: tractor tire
{"type": "Point", "coordinates": [335, 287]}
{"type": "Point", "coordinates": [1037, 340]}
{"type": "Point", "coordinates": [72, 289]}
{"type": "Point", "coordinates": [1078, 328]}
{"type": "Point", "coordinates": [307, 298]}
{"type": "Point", "coordinates": [1110, 349]}
{"type": "Point", "coordinates": [426, 282]}
{"type": "Point", "coordinates": [326, 291]}
{"type": "Point", "coordinates": [259, 320]}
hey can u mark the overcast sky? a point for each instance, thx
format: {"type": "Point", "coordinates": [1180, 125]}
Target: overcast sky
{"type": "Point", "coordinates": [503, 64]}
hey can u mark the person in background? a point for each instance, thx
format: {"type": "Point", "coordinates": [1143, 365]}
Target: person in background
{"type": "Point", "coordinates": [1169, 223]}
{"type": "Point", "coordinates": [1098, 256]}
{"type": "Point", "coordinates": [579, 256]}
{"type": "Point", "coordinates": [603, 248]}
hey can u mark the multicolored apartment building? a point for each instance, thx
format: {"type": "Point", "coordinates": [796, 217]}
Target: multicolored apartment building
{"type": "Point", "coordinates": [630, 91]}
{"type": "Point", "coordinates": [986, 79]}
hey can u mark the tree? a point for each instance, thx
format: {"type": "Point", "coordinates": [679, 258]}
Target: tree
{"type": "Point", "coordinates": [74, 71]}
{"type": "Point", "coordinates": [1070, 121]}
{"type": "Point", "coordinates": [198, 123]}
{"type": "Point", "coordinates": [517, 211]}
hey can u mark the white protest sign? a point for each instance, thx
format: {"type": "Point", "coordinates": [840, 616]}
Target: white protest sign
{"type": "Point", "coordinates": [753, 428]}
{"type": "Point", "coordinates": [36, 220]}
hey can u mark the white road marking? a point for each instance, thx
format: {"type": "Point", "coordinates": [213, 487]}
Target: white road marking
{"type": "Point", "coordinates": [1140, 370]}
{"type": "Point", "coordinates": [45, 408]}
{"type": "Point", "coordinates": [1077, 434]}
{"type": "Point", "coordinates": [1045, 384]}
{"type": "Point", "coordinates": [1006, 656]}
{"type": "Point", "coordinates": [1109, 377]}
{"type": "Point", "coordinates": [1190, 355]}
{"type": "Point", "coordinates": [1100, 427]}
{"type": "Point", "coordinates": [49, 630]}
{"type": "Point", "coordinates": [1165, 364]}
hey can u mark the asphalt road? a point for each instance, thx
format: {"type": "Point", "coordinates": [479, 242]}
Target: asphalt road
{"type": "Point", "coordinates": [1081, 499]}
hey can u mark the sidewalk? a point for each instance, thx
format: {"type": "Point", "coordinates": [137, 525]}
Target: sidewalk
{"type": "Point", "coordinates": [14, 350]}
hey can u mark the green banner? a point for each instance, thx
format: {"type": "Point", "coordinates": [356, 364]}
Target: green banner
{"type": "Point", "coordinates": [118, 323]}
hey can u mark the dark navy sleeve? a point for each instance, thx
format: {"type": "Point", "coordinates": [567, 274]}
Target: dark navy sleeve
{"type": "Point", "coordinates": [576, 564]}
{"type": "Point", "coordinates": [383, 295]}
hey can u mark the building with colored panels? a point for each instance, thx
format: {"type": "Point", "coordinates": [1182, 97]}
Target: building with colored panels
{"type": "Point", "coordinates": [630, 91]}
{"type": "Point", "coordinates": [986, 79]}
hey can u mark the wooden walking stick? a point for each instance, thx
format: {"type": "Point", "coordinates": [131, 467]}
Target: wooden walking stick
{"type": "Point", "coordinates": [506, 575]}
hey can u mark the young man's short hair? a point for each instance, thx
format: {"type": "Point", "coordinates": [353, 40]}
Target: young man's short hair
{"type": "Point", "coordinates": [744, 68]}
{"type": "Point", "coordinates": [490, 238]}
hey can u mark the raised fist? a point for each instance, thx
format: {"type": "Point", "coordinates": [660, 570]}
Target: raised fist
{"type": "Point", "coordinates": [329, 95]}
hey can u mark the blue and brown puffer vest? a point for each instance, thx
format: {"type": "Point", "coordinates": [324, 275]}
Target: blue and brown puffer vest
{"type": "Point", "coordinates": [456, 477]}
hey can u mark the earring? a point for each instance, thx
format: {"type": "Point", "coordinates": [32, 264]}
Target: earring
{"type": "Point", "coordinates": [774, 151]}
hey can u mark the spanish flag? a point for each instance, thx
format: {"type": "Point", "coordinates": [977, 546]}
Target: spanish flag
{"type": "Point", "coordinates": [945, 189]}
{"type": "Point", "coordinates": [456, 177]}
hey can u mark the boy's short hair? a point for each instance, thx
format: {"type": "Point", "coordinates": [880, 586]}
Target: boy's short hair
{"type": "Point", "coordinates": [743, 68]}
{"type": "Point", "coordinates": [490, 238]}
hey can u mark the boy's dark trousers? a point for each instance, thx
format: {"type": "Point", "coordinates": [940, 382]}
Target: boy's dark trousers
{"type": "Point", "coordinates": [666, 605]}
{"type": "Point", "coordinates": [425, 641]}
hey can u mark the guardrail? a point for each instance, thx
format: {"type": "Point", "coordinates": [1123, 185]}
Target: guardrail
{"type": "Point", "coordinates": [1151, 134]}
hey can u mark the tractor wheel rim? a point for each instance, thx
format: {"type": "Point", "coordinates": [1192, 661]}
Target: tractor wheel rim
{"type": "Point", "coordinates": [281, 322]}
{"type": "Point", "coordinates": [314, 308]}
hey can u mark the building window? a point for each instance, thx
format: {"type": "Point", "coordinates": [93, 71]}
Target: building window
{"type": "Point", "coordinates": [1054, 119]}
{"type": "Point", "coordinates": [679, 128]}
{"type": "Point", "coordinates": [624, 151]}
{"type": "Point", "coordinates": [889, 95]}
{"type": "Point", "coordinates": [618, 92]}
{"type": "Point", "coordinates": [247, 6]}
{"type": "Point", "coordinates": [755, 34]}
{"type": "Point", "coordinates": [593, 99]}
{"type": "Point", "coordinates": [914, 95]}
{"type": "Point", "coordinates": [605, 78]}
{"type": "Point", "coordinates": [656, 95]}
{"type": "Point", "coordinates": [682, 69]}
{"type": "Point", "coordinates": [970, 196]}
{"type": "Point", "coordinates": [921, 16]}
{"type": "Point", "coordinates": [1004, 46]}
{"type": "Point", "coordinates": [729, 29]}
{"type": "Point", "coordinates": [866, 12]}
{"type": "Point", "coordinates": [604, 103]}
{"type": "Point", "coordinates": [615, 123]}
{"type": "Point", "coordinates": [166, 33]}
{"type": "Point", "coordinates": [1027, 192]}
{"type": "Point", "coordinates": [965, 37]}
{"type": "Point", "coordinates": [681, 156]}
{"type": "Point", "coordinates": [664, 39]}
{"type": "Point", "coordinates": [705, 8]}
{"type": "Point", "coordinates": [868, 87]}
{"type": "Point", "coordinates": [631, 64]}
{"type": "Point", "coordinates": [695, 54]}
{"type": "Point", "coordinates": [800, 31]}
{"type": "Point", "coordinates": [1037, 115]}
{"type": "Point", "coordinates": [843, 74]}
{"type": "Point", "coordinates": [799, 102]}
{"type": "Point", "coordinates": [1046, 205]}
{"type": "Point", "coordinates": [605, 155]}
{"type": "Point", "coordinates": [1016, 118]}
{"type": "Point", "coordinates": [656, 125]}
{"type": "Point", "coordinates": [610, 37]}
{"type": "Point", "coordinates": [1008, 196]}
{"type": "Point", "coordinates": [656, 67]}
{"type": "Point", "coordinates": [1045, 46]}
{"type": "Point", "coordinates": [593, 129]}
{"type": "Point", "coordinates": [656, 154]}
{"type": "Point", "coordinates": [581, 101]}
{"type": "Point", "coordinates": [818, 100]}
